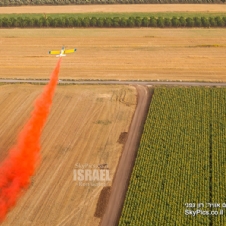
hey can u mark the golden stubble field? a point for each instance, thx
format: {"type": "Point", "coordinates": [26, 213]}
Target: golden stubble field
{"type": "Point", "coordinates": [145, 53]}
{"type": "Point", "coordinates": [116, 8]}
{"type": "Point", "coordinates": [84, 126]}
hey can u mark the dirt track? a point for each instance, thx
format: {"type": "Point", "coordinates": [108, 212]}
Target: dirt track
{"type": "Point", "coordinates": [115, 8]}
{"type": "Point", "coordinates": [127, 159]}
{"type": "Point", "coordinates": [109, 82]}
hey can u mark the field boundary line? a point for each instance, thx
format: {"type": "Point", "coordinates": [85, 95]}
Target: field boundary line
{"type": "Point", "coordinates": [127, 159]}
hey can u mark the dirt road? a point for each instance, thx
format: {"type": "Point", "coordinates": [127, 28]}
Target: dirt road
{"type": "Point", "coordinates": [115, 8]}
{"type": "Point", "coordinates": [127, 159]}
{"type": "Point", "coordinates": [109, 82]}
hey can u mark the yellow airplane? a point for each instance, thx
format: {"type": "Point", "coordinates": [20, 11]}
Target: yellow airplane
{"type": "Point", "coordinates": [62, 52]}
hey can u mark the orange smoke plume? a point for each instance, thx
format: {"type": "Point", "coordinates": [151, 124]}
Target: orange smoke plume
{"type": "Point", "coordinates": [17, 169]}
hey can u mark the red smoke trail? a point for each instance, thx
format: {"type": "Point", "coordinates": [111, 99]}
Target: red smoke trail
{"type": "Point", "coordinates": [17, 169]}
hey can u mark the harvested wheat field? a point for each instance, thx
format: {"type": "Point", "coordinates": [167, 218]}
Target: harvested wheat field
{"type": "Point", "coordinates": [145, 53]}
{"type": "Point", "coordinates": [116, 8]}
{"type": "Point", "coordinates": [84, 127]}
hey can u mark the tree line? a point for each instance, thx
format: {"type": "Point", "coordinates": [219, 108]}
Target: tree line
{"type": "Point", "coordinates": [48, 21]}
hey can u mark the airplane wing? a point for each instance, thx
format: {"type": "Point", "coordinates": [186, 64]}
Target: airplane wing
{"type": "Point", "coordinates": [69, 51]}
{"type": "Point", "coordinates": [54, 52]}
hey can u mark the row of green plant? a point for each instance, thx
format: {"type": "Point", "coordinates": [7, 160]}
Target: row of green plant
{"type": "Point", "coordinates": [117, 14]}
{"type": "Point", "coordinates": [10, 22]}
{"type": "Point", "coordinates": [218, 150]}
{"type": "Point", "coordinates": [181, 159]}
{"type": "Point", "coordinates": [88, 2]}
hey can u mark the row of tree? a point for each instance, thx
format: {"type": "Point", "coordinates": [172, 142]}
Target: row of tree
{"type": "Point", "coordinates": [11, 22]}
{"type": "Point", "coordinates": [87, 2]}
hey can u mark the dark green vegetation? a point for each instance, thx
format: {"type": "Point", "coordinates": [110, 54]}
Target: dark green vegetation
{"type": "Point", "coordinates": [88, 2]}
{"type": "Point", "coordinates": [181, 159]}
{"type": "Point", "coordinates": [70, 21]}
{"type": "Point", "coordinates": [120, 15]}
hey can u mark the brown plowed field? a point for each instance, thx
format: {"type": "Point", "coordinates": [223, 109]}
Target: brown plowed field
{"type": "Point", "coordinates": [116, 8]}
{"type": "Point", "coordinates": [83, 128]}
{"type": "Point", "coordinates": [176, 54]}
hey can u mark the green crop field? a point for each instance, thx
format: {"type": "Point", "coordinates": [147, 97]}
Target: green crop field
{"type": "Point", "coordinates": [181, 162]}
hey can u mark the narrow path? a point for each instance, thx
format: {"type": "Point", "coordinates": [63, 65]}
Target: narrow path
{"type": "Point", "coordinates": [116, 82]}
{"type": "Point", "coordinates": [127, 159]}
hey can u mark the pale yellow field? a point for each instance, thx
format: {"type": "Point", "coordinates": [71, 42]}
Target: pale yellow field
{"type": "Point", "coordinates": [116, 8]}
{"type": "Point", "coordinates": [83, 128]}
{"type": "Point", "coordinates": [169, 54]}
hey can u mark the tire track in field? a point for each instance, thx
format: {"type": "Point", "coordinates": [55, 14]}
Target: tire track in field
{"type": "Point", "coordinates": [76, 211]}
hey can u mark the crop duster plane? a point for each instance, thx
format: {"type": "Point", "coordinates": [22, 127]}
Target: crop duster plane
{"type": "Point", "coordinates": [62, 52]}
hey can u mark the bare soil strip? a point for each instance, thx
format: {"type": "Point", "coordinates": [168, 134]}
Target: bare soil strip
{"type": "Point", "coordinates": [102, 202]}
{"type": "Point", "coordinates": [127, 159]}
{"type": "Point", "coordinates": [106, 82]}
{"type": "Point", "coordinates": [116, 8]}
